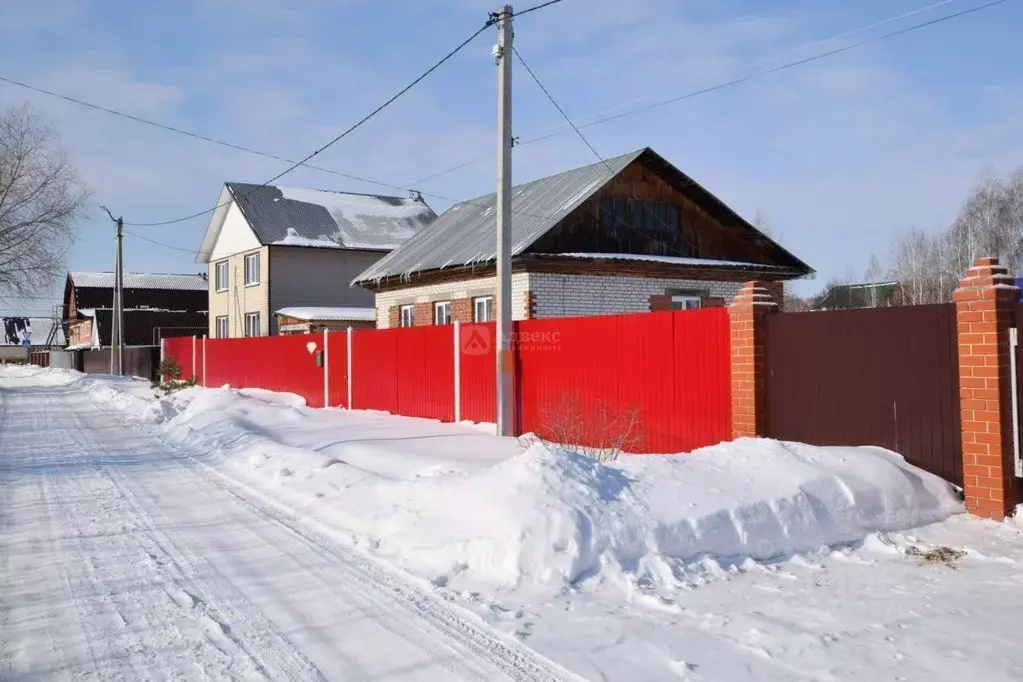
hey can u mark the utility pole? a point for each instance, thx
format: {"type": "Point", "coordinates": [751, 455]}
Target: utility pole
{"type": "Point", "coordinates": [117, 333]}
{"type": "Point", "coordinates": [505, 357]}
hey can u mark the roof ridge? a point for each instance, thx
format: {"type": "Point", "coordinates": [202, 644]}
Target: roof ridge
{"type": "Point", "coordinates": [608, 161]}
{"type": "Point", "coordinates": [328, 191]}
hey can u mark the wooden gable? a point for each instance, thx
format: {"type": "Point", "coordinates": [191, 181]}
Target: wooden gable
{"type": "Point", "coordinates": [641, 194]}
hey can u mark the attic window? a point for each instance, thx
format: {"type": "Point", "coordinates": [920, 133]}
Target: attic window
{"type": "Point", "coordinates": [652, 217]}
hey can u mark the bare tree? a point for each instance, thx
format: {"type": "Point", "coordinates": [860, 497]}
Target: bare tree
{"type": "Point", "coordinates": [41, 198]}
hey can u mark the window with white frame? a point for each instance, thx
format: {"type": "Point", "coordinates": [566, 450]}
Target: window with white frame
{"type": "Point", "coordinates": [442, 312]}
{"type": "Point", "coordinates": [222, 327]}
{"type": "Point", "coordinates": [685, 302]}
{"type": "Point", "coordinates": [406, 316]}
{"type": "Point", "coordinates": [251, 269]}
{"type": "Point", "coordinates": [252, 324]}
{"type": "Point", "coordinates": [221, 276]}
{"type": "Point", "coordinates": [483, 309]}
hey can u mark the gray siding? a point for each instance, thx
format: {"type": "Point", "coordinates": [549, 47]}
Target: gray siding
{"type": "Point", "coordinates": [317, 277]}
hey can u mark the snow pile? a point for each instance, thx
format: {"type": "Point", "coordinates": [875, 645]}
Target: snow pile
{"type": "Point", "coordinates": [467, 509]}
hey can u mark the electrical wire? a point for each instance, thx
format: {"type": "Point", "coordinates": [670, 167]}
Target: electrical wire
{"type": "Point", "coordinates": [744, 79]}
{"type": "Point", "coordinates": [611, 172]}
{"type": "Point", "coordinates": [336, 139]}
{"type": "Point", "coordinates": [776, 69]}
{"type": "Point", "coordinates": [533, 9]}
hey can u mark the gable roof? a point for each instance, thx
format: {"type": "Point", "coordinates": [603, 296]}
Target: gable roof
{"type": "Point", "coordinates": [288, 216]}
{"type": "Point", "coordinates": [466, 233]}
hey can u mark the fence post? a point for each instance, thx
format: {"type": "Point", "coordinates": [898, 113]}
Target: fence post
{"type": "Point", "coordinates": [457, 326]}
{"type": "Point", "coordinates": [351, 367]}
{"type": "Point", "coordinates": [204, 361]}
{"type": "Point", "coordinates": [163, 355]}
{"type": "Point", "coordinates": [747, 320]}
{"type": "Point", "coordinates": [326, 368]}
{"type": "Point", "coordinates": [985, 311]}
{"type": "Point", "coordinates": [193, 358]}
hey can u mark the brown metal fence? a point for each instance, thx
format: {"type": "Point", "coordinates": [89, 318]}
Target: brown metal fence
{"type": "Point", "coordinates": [887, 377]}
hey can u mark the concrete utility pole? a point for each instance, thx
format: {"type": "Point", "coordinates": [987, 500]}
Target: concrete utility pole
{"type": "Point", "coordinates": [505, 358]}
{"type": "Point", "coordinates": [117, 331]}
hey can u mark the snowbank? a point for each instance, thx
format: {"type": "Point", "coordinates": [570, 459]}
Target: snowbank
{"type": "Point", "coordinates": [470, 510]}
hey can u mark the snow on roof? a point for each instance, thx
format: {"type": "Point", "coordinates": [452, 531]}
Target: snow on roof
{"type": "Point", "coordinates": [671, 260]}
{"type": "Point", "coordinates": [105, 280]}
{"type": "Point", "coordinates": [320, 314]}
{"type": "Point", "coordinates": [289, 216]}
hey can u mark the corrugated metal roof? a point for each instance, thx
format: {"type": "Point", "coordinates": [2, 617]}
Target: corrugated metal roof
{"type": "Point", "coordinates": [105, 280]}
{"type": "Point", "coordinates": [467, 232]}
{"type": "Point", "coordinates": [322, 314]}
{"type": "Point", "coordinates": [309, 217]}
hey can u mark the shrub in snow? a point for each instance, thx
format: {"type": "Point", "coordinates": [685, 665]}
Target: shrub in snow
{"type": "Point", "coordinates": [603, 433]}
{"type": "Point", "coordinates": [169, 381]}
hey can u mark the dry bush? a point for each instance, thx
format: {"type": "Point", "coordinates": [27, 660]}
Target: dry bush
{"type": "Point", "coordinates": [604, 435]}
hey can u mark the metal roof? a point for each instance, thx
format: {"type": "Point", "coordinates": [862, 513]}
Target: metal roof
{"type": "Point", "coordinates": [105, 280]}
{"type": "Point", "coordinates": [308, 217]}
{"type": "Point", "coordinates": [467, 232]}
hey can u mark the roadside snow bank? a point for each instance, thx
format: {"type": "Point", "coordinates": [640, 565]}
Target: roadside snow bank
{"type": "Point", "coordinates": [467, 509]}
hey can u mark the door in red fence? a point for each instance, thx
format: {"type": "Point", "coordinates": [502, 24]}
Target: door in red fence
{"type": "Point", "coordinates": [426, 372]}
{"type": "Point", "coordinates": [374, 369]}
{"type": "Point", "coordinates": [179, 349]}
{"type": "Point", "coordinates": [337, 369]}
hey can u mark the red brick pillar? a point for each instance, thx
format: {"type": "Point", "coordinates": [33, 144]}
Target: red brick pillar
{"type": "Point", "coordinates": [747, 314]}
{"type": "Point", "coordinates": [985, 311]}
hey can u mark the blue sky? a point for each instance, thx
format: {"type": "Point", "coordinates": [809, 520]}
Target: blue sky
{"type": "Point", "coordinates": [837, 154]}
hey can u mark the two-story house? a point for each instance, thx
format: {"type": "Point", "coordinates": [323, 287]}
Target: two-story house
{"type": "Point", "coordinates": [631, 234]}
{"type": "Point", "coordinates": [272, 249]}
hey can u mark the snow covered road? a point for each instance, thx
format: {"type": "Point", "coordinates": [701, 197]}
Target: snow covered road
{"type": "Point", "coordinates": [122, 557]}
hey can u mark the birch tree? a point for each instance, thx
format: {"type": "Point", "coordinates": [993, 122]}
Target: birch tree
{"type": "Point", "coordinates": [41, 199]}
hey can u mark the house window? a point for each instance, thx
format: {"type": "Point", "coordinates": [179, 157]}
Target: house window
{"type": "Point", "coordinates": [406, 316]}
{"type": "Point", "coordinates": [685, 302]}
{"type": "Point", "coordinates": [252, 324]}
{"type": "Point", "coordinates": [222, 327]}
{"type": "Point", "coordinates": [483, 309]}
{"type": "Point", "coordinates": [221, 276]}
{"type": "Point", "coordinates": [251, 269]}
{"type": "Point", "coordinates": [442, 312]}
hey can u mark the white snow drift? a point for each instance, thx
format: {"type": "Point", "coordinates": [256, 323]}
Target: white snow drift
{"type": "Point", "coordinates": [468, 509]}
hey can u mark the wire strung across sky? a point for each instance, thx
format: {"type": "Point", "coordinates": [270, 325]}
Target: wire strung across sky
{"type": "Point", "coordinates": [576, 129]}
{"type": "Point", "coordinates": [340, 137]}
{"type": "Point", "coordinates": [745, 79]}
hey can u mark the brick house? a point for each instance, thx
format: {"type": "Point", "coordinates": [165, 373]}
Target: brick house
{"type": "Point", "coordinates": [584, 242]}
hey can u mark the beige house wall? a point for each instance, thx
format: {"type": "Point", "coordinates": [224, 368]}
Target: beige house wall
{"type": "Point", "coordinates": [240, 299]}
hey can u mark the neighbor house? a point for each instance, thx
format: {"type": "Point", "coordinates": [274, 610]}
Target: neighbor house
{"type": "Point", "coordinates": [156, 306]}
{"type": "Point", "coordinates": [270, 248]}
{"type": "Point", "coordinates": [866, 295]}
{"type": "Point", "coordinates": [633, 234]}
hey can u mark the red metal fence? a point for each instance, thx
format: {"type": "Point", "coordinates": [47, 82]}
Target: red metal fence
{"type": "Point", "coordinates": [662, 376]}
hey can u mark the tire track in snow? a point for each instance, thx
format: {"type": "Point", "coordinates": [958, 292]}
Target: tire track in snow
{"type": "Point", "coordinates": [371, 579]}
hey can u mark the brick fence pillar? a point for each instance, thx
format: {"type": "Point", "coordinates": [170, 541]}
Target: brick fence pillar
{"type": "Point", "coordinates": [747, 318]}
{"type": "Point", "coordinates": [985, 311]}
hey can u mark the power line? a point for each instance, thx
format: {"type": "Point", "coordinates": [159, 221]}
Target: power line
{"type": "Point", "coordinates": [158, 243]}
{"type": "Point", "coordinates": [753, 76]}
{"type": "Point", "coordinates": [776, 69]}
{"type": "Point", "coordinates": [533, 9]}
{"type": "Point", "coordinates": [351, 129]}
{"type": "Point", "coordinates": [248, 150]}
{"type": "Point", "coordinates": [611, 172]}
